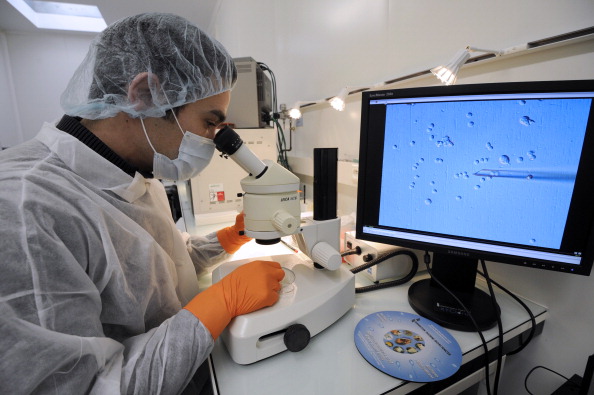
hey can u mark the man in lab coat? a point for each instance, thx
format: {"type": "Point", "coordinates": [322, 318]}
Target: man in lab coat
{"type": "Point", "coordinates": [98, 289]}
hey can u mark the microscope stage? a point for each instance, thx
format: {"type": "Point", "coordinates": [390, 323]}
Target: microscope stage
{"type": "Point", "coordinates": [315, 300]}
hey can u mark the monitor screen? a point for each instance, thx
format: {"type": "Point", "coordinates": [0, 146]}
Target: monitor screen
{"type": "Point", "coordinates": [501, 172]}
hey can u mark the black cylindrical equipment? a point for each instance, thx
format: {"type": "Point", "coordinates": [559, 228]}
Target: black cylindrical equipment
{"type": "Point", "coordinates": [324, 185]}
{"type": "Point", "coordinates": [227, 141]}
{"type": "Point", "coordinates": [230, 144]}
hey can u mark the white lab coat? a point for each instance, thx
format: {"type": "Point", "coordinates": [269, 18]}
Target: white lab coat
{"type": "Point", "coordinates": [94, 275]}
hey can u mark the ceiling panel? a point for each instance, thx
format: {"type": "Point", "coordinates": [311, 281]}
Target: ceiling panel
{"type": "Point", "coordinates": [198, 11]}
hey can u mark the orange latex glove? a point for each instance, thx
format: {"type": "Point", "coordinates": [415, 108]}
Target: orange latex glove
{"type": "Point", "coordinates": [248, 288]}
{"type": "Point", "coordinates": [230, 238]}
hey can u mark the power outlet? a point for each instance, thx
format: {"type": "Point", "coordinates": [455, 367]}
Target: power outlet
{"type": "Point", "coordinates": [392, 268]}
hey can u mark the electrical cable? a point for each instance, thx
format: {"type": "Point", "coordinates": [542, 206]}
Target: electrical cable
{"type": "Point", "coordinates": [530, 313]}
{"type": "Point", "coordinates": [356, 250]}
{"type": "Point", "coordinates": [381, 258]}
{"type": "Point", "coordinates": [265, 67]}
{"type": "Point", "coordinates": [540, 367]}
{"type": "Point", "coordinates": [281, 144]}
{"type": "Point", "coordinates": [427, 260]}
{"type": "Point", "coordinates": [499, 327]}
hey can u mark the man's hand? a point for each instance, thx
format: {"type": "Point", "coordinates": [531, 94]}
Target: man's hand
{"type": "Point", "coordinates": [232, 237]}
{"type": "Point", "coordinates": [248, 288]}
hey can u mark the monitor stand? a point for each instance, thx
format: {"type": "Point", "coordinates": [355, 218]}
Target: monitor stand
{"type": "Point", "coordinates": [458, 274]}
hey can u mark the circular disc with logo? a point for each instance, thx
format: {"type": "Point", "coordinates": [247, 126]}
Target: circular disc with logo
{"type": "Point", "coordinates": [408, 346]}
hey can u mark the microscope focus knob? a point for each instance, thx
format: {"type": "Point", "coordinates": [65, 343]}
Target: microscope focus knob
{"type": "Point", "coordinates": [285, 222]}
{"type": "Point", "coordinates": [325, 255]}
{"type": "Point", "coordinates": [296, 337]}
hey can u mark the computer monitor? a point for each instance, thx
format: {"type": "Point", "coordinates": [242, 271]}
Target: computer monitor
{"type": "Point", "coordinates": [502, 172]}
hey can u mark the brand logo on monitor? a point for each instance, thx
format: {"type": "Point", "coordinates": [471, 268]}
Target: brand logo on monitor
{"type": "Point", "coordinates": [460, 253]}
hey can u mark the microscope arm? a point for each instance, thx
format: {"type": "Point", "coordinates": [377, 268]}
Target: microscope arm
{"type": "Point", "coordinates": [320, 241]}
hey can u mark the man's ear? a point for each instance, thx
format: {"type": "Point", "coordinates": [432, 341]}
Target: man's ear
{"type": "Point", "coordinates": [139, 91]}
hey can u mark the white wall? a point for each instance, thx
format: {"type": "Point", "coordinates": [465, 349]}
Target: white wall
{"type": "Point", "coordinates": [317, 47]}
{"type": "Point", "coordinates": [10, 133]}
{"type": "Point", "coordinates": [35, 69]}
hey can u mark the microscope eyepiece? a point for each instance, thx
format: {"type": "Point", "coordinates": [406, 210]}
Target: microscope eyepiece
{"type": "Point", "coordinates": [227, 141]}
{"type": "Point", "coordinates": [230, 144]}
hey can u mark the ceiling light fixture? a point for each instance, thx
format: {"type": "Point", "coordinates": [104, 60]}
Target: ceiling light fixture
{"type": "Point", "coordinates": [448, 73]}
{"type": "Point", "coordinates": [295, 111]}
{"type": "Point", "coordinates": [337, 102]}
{"type": "Point", "coordinates": [61, 16]}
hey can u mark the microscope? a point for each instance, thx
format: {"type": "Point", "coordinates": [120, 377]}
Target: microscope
{"type": "Point", "coordinates": [322, 289]}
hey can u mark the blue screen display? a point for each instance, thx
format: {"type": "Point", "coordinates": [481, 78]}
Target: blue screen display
{"type": "Point", "coordinates": [499, 170]}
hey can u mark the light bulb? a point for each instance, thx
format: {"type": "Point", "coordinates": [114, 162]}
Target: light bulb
{"type": "Point", "coordinates": [449, 73]}
{"type": "Point", "coordinates": [337, 103]}
{"type": "Point", "coordinates": [295, 113]}
{"type": "Point", "coordinates": [446, 76]}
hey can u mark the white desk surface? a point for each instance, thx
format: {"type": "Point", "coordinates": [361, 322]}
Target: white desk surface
{"type": "Point", "coordinates": [331, 364]}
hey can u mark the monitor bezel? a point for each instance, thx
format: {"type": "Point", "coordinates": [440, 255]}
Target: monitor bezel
{"type": "Point", "coordinates": [540, 87]}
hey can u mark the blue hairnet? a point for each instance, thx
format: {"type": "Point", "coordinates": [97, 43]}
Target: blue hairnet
{"type": "Point", "coordinates": [184, 64]}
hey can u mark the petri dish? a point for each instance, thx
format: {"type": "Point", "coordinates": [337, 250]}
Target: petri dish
{"type": "Point", "coordinates": [287, 283]}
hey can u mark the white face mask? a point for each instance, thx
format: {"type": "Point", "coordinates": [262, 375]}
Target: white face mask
{"type": "Point", "coordinates": [195, 152]}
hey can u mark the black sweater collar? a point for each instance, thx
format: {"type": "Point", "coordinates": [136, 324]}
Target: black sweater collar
{"type": "Point", "coordinates": [72, 126]}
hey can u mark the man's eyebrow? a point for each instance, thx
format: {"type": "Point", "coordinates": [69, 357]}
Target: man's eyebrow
{"type": "Point", "coordinates": [219, 114]}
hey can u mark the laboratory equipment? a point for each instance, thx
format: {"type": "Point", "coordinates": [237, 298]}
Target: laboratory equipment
{"type": "Point", "coordinates": [318, 298]}
{"type": "Point", "coordinates": [499, 172]}
{"type": "Point", "coordinates": [251, 102]}
{"type": "Point", "coordinates": [271, 198]}
{"type": "Point", "coordinates": [395, 267]}
{"type": "Point", "coordinates": [579, 385]}
{"type": "Point", "coordinates": [216, 191]}
{"type": "Point", "coordinates": [323, 288]}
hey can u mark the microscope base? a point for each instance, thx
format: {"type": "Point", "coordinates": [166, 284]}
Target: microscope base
{"type": "Point", "coordinates": [318, 298]}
